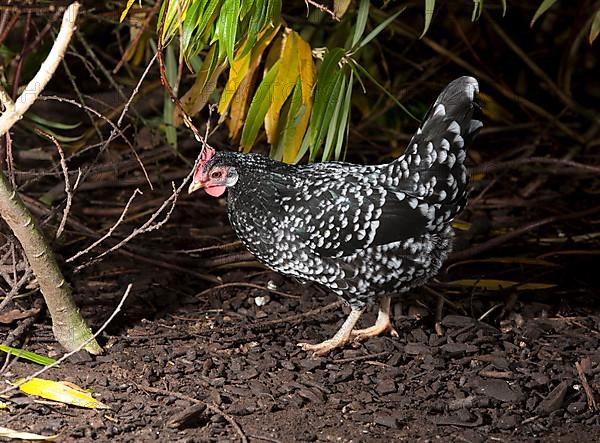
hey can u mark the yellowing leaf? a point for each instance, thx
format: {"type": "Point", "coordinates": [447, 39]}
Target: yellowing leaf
{"type": "Point", "coordinates": [3, 405]}
{"type": "Point", "coordinates": [461, 225]}
{"type": "Point", "coordinates": [9, 433]}
{"type": "Point", "coordinates": [492, 109]}
{"type": "Point", "coordinates": [497, 285]}
{"type": "Point", "coordinates": [62, 392]}
{"type": "Point", "coordinates": [241, 75]}
{"type": "Point", "coordinates": [340, 7]}
{"type": "Point", "coordinates": [206, 80]}
{"type": "Point", "coordinates": [284, 82]}
{"type": "Point", "coordinates": [595, 28]}
{"type": "Point", "coordinates": [126, 10]}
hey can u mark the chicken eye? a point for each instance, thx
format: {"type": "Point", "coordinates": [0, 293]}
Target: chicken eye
{"type": "Point", "coordinates": [216, 174]}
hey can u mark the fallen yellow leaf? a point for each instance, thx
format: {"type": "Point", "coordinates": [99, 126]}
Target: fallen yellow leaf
{"type": "Point", "coordinates": [62, 392]}
{"type": "Point", "coordinates": [10, 433]}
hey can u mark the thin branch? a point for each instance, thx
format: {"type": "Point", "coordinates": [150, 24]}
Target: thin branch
{"type": "Point", "coordinates": [322, 8]}
{"type": "Point", "coordinates": [65, 170]}
{"type": "Point", "coordinates": [110, 231]}
{"type": "Point", "coordinates": [43, 76]}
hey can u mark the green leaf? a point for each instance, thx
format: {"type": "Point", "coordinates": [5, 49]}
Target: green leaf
{"type": "Point", "coordinates": [544, 6]}
{"type": "Point", "coordinates": [429, 7]}
{"type": "Point", "coordinates": [168, 105]}
{"type": "Point", "coordinates": [258, 108]}
{"type": "Point", "coordinates": [344, 120]}
{"type": "Point", "coordinates": [366, 73]}
{"type": "Point", "coordinates": [31, 356]}
{"type": "Point", "coordinates": [503, 8]}
{"type": "Point", "coordinates": [51, 124]}
{"type": "Point", "coordinates": [333, 127]}
{"type": "Point", "coordinates": [375, 32]}
{"type": "Point", "coordinates": [328, 84]}
{"type": "Point", "coordinates": [227, 25]}
{"type": "Point", "coordinates": [361, 21]}
{"type": "Point", "coordinates": [595, 29]}
{"type": "Point", "coordinates": [477, 8]}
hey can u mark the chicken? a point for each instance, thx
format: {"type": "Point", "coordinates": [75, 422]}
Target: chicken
{"type": "Point", "coordinates": [363, 232]}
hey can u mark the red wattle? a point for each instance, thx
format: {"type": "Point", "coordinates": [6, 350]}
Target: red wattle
{"type": "Point", "coordinates": [215, 191]}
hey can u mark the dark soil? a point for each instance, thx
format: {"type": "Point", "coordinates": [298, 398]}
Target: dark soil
{"type": "Point", "coordinates": [187, 364]}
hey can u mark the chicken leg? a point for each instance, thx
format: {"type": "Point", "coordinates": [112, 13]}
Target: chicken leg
{"type": "Point", "coordinates": [341, 337]}
{"type": "Point", "coordinates": [381, 326]}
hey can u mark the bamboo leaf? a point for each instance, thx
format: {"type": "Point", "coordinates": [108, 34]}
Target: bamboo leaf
{"type": "Point", "coordinates": [334, 121]}
{"type": "Point", "coordinates": [544, 6]}
{"type": "Point", "coordinates": [366, 73]}
{"type": "Point", "coordinates": [380, 27]}
{"type": "Point", "coordinates": [62, 392]}
{"type": "Point", "coordinates": [126, 10]}
{"type": "Point", "coordinates": [299, 114]}
{"type": "Point", "coordinates": [283, 84]}
{"type": "Point", "coordinates": [197, 96]}
{"type": "Point", "coordinates": [361, 21]}
{"type": "Point", "coordinates": [227, 25]}
{"type": "Point", "coordinates": [168, 105]}
{"type": "Point", "coordinates": [328, 84]}
{"type": "Point", "coordinates": [340, 7]}
{"type": "Point", "coordinates": [27, 355]}
{"type": "Point", "coordinates": [20, 435]}
{"type": "Point", "coordinates": [595, 28]}
{"type": "Point", "coordinates": [477, 8]}
{"type": "Point", "coordinates": [429, 7]}
{"type": "Point", "coordinates": [344, 127]}
{"type": "Point", "coordinates": [497, 285]}
{"type": "Point", "coordinates": [51, 124]}
{"type": "Point", "coordinates": [240, 100]}
{"type": "Point", "coordinates": [258, 108]}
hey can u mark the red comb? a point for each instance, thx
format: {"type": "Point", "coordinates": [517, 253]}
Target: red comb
{"type": "Point", "coordinates": [206, 154]}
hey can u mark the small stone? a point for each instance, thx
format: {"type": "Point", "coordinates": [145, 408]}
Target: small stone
{"type": "Point", "coordinates": [500, 390]}
{"type": "Point", "coordinates": [508, 422]}
{"type": "Point", "coordinates": [386, 420]}
{"type": "Point", "coordinates": [385, 387]}
{"type": "Point", "coordinates": [577, 407]}
{"type": "Point", "coordinates": [553, 400]}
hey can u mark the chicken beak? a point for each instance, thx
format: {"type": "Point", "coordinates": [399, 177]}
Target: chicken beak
{"type": "Point", "coordinates": [194, 186]}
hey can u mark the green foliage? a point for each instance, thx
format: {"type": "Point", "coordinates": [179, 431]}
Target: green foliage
{"type": "Point", "coordinates": [302, 96]}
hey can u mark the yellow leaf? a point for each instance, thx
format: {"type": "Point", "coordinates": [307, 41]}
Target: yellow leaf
{"type": "Point", "coordinates": [284, 82]}
{"type": "Point", "coordinates": [126, 10]}
{"type": "Point", "coordinates": [244, 66]}
{"type": "Point", "coordinates": [9, 433]}
{"type": "Point", "coordinates": [3, 405]}
{"type": "Point", "coordinates": [497, 285]}
{"type": "Point", "coordinates": [461, 225]}
{"type": "Point", "coordinates": [494, 110]}
{"type": "Point", "coordinates": [340, 7]}
{"type": "Point", "coordinates": [62, 392]}
{"type": "Point", "coordinates": [307, 82]}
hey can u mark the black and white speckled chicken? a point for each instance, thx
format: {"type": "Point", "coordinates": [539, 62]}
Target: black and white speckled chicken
{"type": "Point", "coordinates": [363, 232]}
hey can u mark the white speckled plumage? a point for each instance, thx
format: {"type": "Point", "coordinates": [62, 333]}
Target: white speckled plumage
{"type": "Point", "coordinates": [361, 231]}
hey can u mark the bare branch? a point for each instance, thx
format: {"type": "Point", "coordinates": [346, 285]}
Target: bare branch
{"type": "Point", "coordinates": [110, 231]}
{"type": "Point", "coordinates": [43, 76]}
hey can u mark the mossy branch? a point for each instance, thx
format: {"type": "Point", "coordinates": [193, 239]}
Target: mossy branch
{"type": "Point", "coordinates": [69, 327]}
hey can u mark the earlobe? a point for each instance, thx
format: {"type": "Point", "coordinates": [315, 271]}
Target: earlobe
{"type": "Point", "coordinates": [232, 177]}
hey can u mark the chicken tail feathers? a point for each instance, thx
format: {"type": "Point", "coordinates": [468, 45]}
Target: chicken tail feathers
{"type": "Point", "coordinates": [433, 165]}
